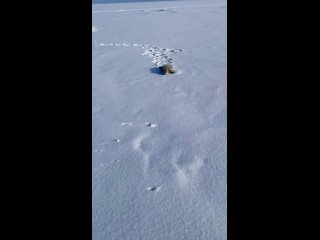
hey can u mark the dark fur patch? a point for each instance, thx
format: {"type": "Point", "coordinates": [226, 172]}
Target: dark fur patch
{"type": "Point", "coordinates": [167, 69]}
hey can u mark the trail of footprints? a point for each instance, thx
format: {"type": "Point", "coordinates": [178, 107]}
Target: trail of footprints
{"type": "Point", "coordinates": [98, 146]}
{"type": "Point", "coordinates": [186, 176]}
{"type": "Point", "coordinates": [160, 56]}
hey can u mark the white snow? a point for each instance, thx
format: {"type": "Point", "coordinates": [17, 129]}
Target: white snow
{"type": "Point", "coordinates": [159, 142]}
{"type": "Point", "coordinates": [96, 29]}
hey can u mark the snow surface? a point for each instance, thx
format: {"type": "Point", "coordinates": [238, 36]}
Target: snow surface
{"type": "Point", "coordinates": [159, 142]}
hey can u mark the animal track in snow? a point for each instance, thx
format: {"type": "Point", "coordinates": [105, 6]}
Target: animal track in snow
{"type": "Point", "coordinates": [186, 176]}
{"type": "Point", "coordinates": [107, 143]}
{"type": "Point", "coordinates": [152, 125]}
{"type": "Point", "coordinates": [98, 150]}
{"type": "Point", "coordinates": [160, 56]}
{"type": "Point", "coordinates": [179, 92]}
{"type": "Point", "coordinates": [114, 161]}
{"type": "Point", "coordinates": [148, 124]}
{"type": "Point", "coordinates": [96, 29]}
{"type": "Point", "coordinates": [127, 124]}
{"type": "Point", "coordinates": [118, 45]}
{"type": "Point", "coordinates": [154, 188]}
{"type": "Point", "coordinates": [137, 142]}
